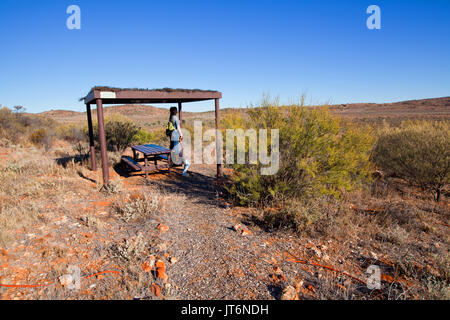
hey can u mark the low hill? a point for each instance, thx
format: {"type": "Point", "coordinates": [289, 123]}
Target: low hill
{"type": "Point", "coordinates": [436, 109]}
{"type": "Point", "coordinates": [150, 116]}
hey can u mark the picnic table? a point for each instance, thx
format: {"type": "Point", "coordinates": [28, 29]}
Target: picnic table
{"type": "Point", "coordinates": [151, 152]}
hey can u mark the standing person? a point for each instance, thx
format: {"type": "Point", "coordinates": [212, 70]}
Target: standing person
{"type": "Point", "coordinates": [176, 137]}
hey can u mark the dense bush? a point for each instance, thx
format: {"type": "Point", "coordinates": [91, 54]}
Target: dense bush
{"type": "Point", "coordinates": [320, 155]}
{"type": "Point", "coordinates": [418, 152]}
{"type": "Point", "coordinates": [143, 137]}
{"type": "Point", "coordinates": [119, 132]}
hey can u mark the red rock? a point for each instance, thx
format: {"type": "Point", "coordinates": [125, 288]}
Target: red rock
{"type": "Point", "coordinates": [160, 265]}
{"type": "Point", "coordinates": [161, 270]}
{"type": "Point", "coordinates": [161, 274]}
{"type": "Point", "coordinates": [155, 290]}
{"type": "Point", "coordinates": [163, 228]}
{"type": "Point", "coordinates": [146, 267]}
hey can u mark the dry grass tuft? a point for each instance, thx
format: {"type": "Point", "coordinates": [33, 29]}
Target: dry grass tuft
{"type": "Point", "coordinates": [137, 206]}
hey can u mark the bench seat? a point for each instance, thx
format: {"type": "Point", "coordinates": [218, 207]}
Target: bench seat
{"type": "Point", "coordinates": [133, 164]}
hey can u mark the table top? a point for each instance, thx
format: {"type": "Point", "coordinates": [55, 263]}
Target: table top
{"type": "Point", "coordinates": [151, 149]}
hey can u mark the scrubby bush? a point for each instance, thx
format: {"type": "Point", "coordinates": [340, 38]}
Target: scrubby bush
{"type": "Point", "coordinates": [71, 133]}
{"type": "Point", "coordinates": [119, 132]}
{"type": "Point", "coordinates": [17, 127]}
{"type": "Point", "coordinates": [38, 136]}
{"type": "Point", "coordinates": [418, 152]}
{"type": "Point", "coordinates": [12, 127]}
{"type": "Point", "coordinates": [319, 155]}
{"type": "Point", "coordinates": [143, 137]}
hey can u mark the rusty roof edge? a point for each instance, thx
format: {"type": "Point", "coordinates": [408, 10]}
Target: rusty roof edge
{"type": "Point", "coordinates": [95, 92]}
{"type": "Point", "coordinates": [114, 89]}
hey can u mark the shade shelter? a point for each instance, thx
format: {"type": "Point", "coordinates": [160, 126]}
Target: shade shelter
{"type": "Point", "coordinates": [107, 95]}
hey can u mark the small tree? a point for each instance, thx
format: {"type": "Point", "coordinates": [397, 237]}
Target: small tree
{"type": "Point", "coordinates": [418, 152]}
{"type": "Point", "coordinates": [19, 109]}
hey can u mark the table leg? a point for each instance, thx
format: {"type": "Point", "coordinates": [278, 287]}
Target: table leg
{"type": "Point", "coordinates": [146, 167]}
{"type": "Point", "coordinates": [134, 155]}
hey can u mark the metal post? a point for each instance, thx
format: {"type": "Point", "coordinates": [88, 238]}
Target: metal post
{"type": "Point", "coordinates": [218, 156]}
{"type": "Point", "coordinates": [180, 116]}
{"type": "Point", "coordinates": [102, 138]}
{"type": "Point", "coordinates": [91, 138]}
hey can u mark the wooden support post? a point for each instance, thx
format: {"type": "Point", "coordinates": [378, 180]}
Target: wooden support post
{"type": "Point", "coordinates": [102, 138]}
{"type": "Point", "coordinates": [180, 115]}
{"type": "Point", "coordinates": [91, 138]}
{"type": "Point", "coordinates": [218, 156]}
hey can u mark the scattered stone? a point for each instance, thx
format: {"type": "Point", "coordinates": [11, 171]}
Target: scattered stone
{"type": "Point", "coordinates": [311, 288]}
{"type": "Point", "coordinates": [278, 271]}
{"type": "Point", "coordinates": [155, 289]}
{"type": "Point", "coordinates": [160, 265]}
{"type": "Point", "coordinates": [326, 257]}
{"type": "Point", "coordinates": [163, 228]}
{"type": "Point", "coordinates": [237, 227]}
{"type": "Point", "coordinates": [298, 284]}
{"type": "Point", "coordinates": [146, 267]}
{"type": "Point", "coordinates": [245, 232]}
{"type": "Point", "coordinates": [316, 251]}
{"type": "Point", "coordinates": [289, 293]}
{"type": "Point", "coordinates": [161, 270]}
{"type": "Point", "coordinates": [149, 264]}
{"type": "Point", "coordinates": [173, 260]}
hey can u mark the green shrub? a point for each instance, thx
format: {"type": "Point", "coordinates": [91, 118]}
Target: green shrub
{"type": "Point", "coordinates": [143, 137]}
{"type": "Point", "coordinates": [119, 132]}
{"type": "Point", "coordinates": [319, 155]}
{"type": "Point", "coordinates": [418, 152]}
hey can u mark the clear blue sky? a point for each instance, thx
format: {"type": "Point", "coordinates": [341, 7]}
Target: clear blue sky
{"type": "Point", "coordinates": [242, 48]}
